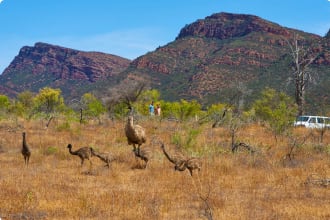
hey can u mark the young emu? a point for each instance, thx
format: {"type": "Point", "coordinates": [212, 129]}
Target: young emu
{"type": "Point", "coordinates": [105, 157]}
{"type": "Point", "coordinates": [190, 164]}
{"type": "Point", "coordinates": [26, 151]}
{"type": "Point", "coordinates": [176, 158]}
{"type": "Point", "coordinates": [144, 154]}
{"type": "Point", "coordinates": [83, 153]}
{"type": "Point", "coordinates": [181, 162]}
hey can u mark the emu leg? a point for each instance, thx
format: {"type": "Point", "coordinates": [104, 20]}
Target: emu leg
{"type": "Point", "coordinates": [146, 163]}
{"type": "Point", "coordinates": [191, 172]}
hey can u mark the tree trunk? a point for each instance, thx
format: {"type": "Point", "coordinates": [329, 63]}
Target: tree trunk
{"type": "Point", "coordinates": [301, 59]}
{"type": "Point", "coordinates": [300, 93]}
{"type": "Point", "coordinates": [81, 116]}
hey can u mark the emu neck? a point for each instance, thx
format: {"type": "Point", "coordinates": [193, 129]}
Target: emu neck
{"type": "Point", "coordinates": [24, 142]}
{"type": "Point", "coordinates": [130, 123]}
{"type": "Point", "coordinates": [167, 155]}
{"type": "Point", "coordinates": [72, 152]}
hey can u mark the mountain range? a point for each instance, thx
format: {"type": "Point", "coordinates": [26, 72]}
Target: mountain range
{"type": "Point", "coordinates": [211, 60]}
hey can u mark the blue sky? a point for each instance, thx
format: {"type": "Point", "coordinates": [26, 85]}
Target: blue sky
{"type": "Point", "coordinates": [130, 28]}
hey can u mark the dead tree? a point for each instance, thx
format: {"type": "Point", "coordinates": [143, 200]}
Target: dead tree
{"type": "Point", "coordinates": [127, 92]}
{"type": "Point", "coordinates": [302, 58]}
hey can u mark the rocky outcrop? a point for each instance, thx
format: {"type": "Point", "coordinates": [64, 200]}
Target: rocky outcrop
{"type": "Point", "coordinates": [226, 25]}
{"type": "Point", "coordinates": [65, 63]}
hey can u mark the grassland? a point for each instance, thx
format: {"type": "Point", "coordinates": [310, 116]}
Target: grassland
{"type": "Point", "coordinates": [241, 185]}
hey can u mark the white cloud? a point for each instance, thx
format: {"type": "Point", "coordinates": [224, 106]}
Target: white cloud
{"type": "Point", "coordinates": [1, 1]}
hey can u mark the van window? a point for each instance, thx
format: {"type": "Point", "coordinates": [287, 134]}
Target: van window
{"type": "Point", "coordinates": [302, 118]}
{"type": "Point", "coordinates": [320, 120]}
{"type": "Point", "coordinates": [327, 121]}
{"type": "Point", "coordinates": [313, 120]}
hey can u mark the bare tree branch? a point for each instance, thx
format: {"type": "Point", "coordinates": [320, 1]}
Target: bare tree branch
{"type": "Point", "coordinates": [302, 58]}
{"type": "Point", "coordinates": [127, 92]}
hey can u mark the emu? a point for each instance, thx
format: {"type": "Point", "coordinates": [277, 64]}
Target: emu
{"type": "Point", "coordinates": [177, 159]}
{"type": "Point", "coordinates": [83, 153]}
{"type": "Point", "coordinates": [26, 152]}
{"type": "Point", "coordinates": [190, 164]}
{"type": "Point", "coordinates": [105, 157]}
{"type": "Point", "coordinates": [181, 162]}
{"type": "Point", "coordinates": [144, 154]}
{"type": "Point", "coordinates": [135, 133]}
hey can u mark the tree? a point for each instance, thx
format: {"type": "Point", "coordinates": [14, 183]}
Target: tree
{"type": "Point", "coordinates": [50, 102]}
{"type": "Point", "coordinates": [215, 113]}
{"type": "Point", "coordinates": [277, 109]}
{"type": "Point", "coordinates": [26, 98]}
{"type": "Point", "coordinates": [185, 109]}
{"type": "Point", "coordinates": [123, 95]}
{"type": "Point", "coordinates": [25, 102]}
{"type": "Point", "coordinates": [302, 58]}
{"type": "Point", "coordinates": [4, 104]}
{"type": "Point", "coordinates": [91, 106]}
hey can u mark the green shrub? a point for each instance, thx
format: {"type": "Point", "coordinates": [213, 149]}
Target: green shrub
{"type": "Point", "coordinates": [65, 126]}
{"type": "Point", "coordinates": [51, 150]}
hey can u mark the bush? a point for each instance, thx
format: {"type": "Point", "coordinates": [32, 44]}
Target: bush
{"type": "Point", "coordinates": [277, 109]}
{"type": "Point", "coordinates": [51, 151]}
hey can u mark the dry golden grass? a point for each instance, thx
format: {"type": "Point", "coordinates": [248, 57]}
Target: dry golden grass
{"type": "Point", "coordinates": [264, 185]}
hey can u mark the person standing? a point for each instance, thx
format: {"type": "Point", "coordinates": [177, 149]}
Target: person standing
{"type": "Point", "coordinates": [158, 110]}
{"type": "Point", "coordinates": [152, 109]}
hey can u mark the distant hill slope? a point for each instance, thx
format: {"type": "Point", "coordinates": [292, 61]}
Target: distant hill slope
{"type": "Point", "coordinates": [210, 60]}
{"type": "Point", "coordinates": [211, 57]}
{"type": "Point", "coordinates": [48, 65]}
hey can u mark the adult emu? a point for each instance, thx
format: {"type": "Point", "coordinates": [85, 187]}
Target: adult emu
{"type": "Point", "coordinates": [135, 134]}
{"type": "Point", "coordinates": [26, 152]}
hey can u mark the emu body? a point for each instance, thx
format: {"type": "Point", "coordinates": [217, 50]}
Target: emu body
{"type": "Point", "coordinates": [144, 154]}
{"type": "Point", "coordinates": [105, 157]}
{"type": "Point", "coordinates": [83, 153]}
{"type": "Point", "coordinates": [135, 134]}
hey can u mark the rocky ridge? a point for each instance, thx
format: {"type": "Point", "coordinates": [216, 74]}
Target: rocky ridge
{"type": "Point", "coordinates": [65, 63]}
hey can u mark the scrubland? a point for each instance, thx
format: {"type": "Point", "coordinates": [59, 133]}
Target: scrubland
{"type": "Point", "coordinates": [266, 184]}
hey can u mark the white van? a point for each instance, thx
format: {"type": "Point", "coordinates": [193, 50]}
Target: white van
{"type": "Point", "coordinates": [310, 121]}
